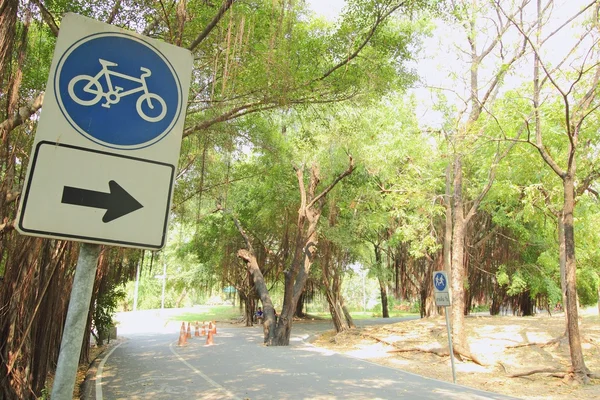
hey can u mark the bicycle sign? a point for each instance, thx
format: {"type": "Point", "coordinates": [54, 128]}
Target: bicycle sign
{"type": "Point", "coordinates": [118, 91]}
{"type": "Point", "coordinates": [114, 94]}
{"type": "Point", "coordinates": [106, 148]}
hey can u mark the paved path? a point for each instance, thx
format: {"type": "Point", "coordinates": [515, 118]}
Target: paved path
{"type": "Point", "coordinates": [239, 366]}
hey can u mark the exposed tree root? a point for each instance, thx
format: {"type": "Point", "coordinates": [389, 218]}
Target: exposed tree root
{"type": "Point", "coordinates": [536, 371]}
{"type": "Point", "coordinates": [567, 376]}
{"type": "Point", "coordinates": [461, 353]}
{"type": "Point", "coordinates": [541, 344]}
{"type": "Point", "coordinates": [437, 352]}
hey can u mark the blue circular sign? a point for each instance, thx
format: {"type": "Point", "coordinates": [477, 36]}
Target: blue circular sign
{"type": "Point", "coordinates": [439, 281]}
{"type": "Point", "coordinates": [118, 91]}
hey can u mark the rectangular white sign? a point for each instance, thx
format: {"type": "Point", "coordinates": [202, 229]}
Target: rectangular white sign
{"type": "Point", "coordinates": [70, 184]}
{"type": "Point", "coordinates": [442, 299]}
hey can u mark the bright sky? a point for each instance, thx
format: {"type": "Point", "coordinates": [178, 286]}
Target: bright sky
{"type": "Point", "coordinates": [327, 8]}
{"type": "Point", "coordinates": [442, 65]}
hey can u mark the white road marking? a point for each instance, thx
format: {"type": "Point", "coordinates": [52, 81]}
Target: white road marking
{"type": "Point", "coordinates": [99, 373]}
{"type": "Point", "coordinates": [206, 378]}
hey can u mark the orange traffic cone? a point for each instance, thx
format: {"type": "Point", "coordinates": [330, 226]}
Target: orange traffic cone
{"type": "Point", "coordinates": [203, 328]}
{"type": "Point", "coordinates": [189, 331]}
{"type": "Point", "coordinates": [209, 338]}
{"type": "Point", "coordinates": [182, 336]}
{"type": "Point", "coordinates": [197, 329]}
{"type": "Point", "coordinates": [214, 330]}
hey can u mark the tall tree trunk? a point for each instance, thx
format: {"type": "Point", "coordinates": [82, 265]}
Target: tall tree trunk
{"type": "Point", "coordinates": [458, 266]}
{"type": "Point", "coordinates": [332, 285]}
{"type": "Point", "coordinates": [562, 262]}
{"type": "Point", "coordinates": [8, 20]}
{"type": "Point", "coordinates": [598, 296]}
{"type": "Point", "coordinates": [263, 292]}
{"type": "Point", "coordinates": [448, 224]}
{"type": "Point", "coordinates": [300, 307]}
{"type": "Point", "coordinates": [181, 298]}
{"type": "Point", "coordinates": [250, 310]}
{"type": "Point", "coordinates": [337, 313]}
{"type": "Point", "coordinates": [579, 369]}
{"type": "Point", "coordinates": [397, 292]}
{"type": "Point", "coordinates": [385, 313]}
{"type": "Point", "coordinates": [382, 281]}
{"type": "Point", "coordinates": [295, 282]}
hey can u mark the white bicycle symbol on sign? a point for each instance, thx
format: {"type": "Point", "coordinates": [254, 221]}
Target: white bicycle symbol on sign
{"type": "Point", "coordinates": [114, 93]}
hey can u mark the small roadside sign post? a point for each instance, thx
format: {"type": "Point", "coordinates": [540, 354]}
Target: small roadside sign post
{"type": "Point", "coordinates": [441, 293]}
{"type": "Point", "coordinates": [103, 162]}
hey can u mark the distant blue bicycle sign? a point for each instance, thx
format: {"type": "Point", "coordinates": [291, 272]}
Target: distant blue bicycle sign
{"type": "Point", "coordinates": [439, 281]}
{"type": "Point", "coordinates": [118, 91]}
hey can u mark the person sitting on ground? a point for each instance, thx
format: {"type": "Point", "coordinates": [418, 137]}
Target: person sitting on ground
{"type": "Point", "coordinates": [259, 315]}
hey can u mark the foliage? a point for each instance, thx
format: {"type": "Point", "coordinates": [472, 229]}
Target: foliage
{"type": "Point", "coordinates": [106, 305]}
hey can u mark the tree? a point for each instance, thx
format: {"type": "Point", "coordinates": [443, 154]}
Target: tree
{"type": "Point", "coordinates": [573, 81]}
{"type": "Point", "coordinates": [466, 133]}
{"type": "Point", "coordinates": [334, 258]}
{"type": "Point", "coordinates": [296, 274]}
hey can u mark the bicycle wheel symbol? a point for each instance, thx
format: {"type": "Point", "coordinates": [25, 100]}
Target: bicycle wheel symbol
{"type": "Point", "coordinates": [151, 100]}
{"type": "Point", "coordinates": [90, 87]}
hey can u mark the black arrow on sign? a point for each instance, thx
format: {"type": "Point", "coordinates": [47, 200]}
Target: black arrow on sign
{"type": "Point", "coordinates": [116, 203]}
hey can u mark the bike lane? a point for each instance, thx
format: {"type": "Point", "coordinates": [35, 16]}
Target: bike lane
{"type": "Point", "coordinates": [144, 367]}
{"type": "Point", "coordinates": [239, 366]}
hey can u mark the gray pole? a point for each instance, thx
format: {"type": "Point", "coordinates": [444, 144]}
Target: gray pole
{"type": "Point", "coordinates": [364, 273]}
{"type": "Point", "coordinates": [450, 345]}
{"type": "Point", "coordinates": [162, 303]}
{"type": "Point", "coordinates": [137, 286]}
{"type": "Point", "coordinates": [77, 313]}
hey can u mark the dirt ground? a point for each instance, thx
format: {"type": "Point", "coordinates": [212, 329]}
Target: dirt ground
{"type": "Point", "coordinates": [506, 345]}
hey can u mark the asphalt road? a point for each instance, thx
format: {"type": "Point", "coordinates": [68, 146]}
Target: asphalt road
{"type": "Point", "coordinates": [238, 366]}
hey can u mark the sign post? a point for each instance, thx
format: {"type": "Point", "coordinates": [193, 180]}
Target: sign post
{"type": "Point", "coordinates": [102, 168]}
{"type": "Point", "coordinates": [79, 306]}
{"type": "Point", "coordinates": [442, 299]}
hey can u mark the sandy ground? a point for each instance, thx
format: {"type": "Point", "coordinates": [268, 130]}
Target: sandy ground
{"type": "Point", "coordinates": [506, 345]}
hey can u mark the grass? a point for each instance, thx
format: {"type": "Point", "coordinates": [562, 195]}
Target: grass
{"type": "Point", "coordinates": [364, 314]}
{"type": "Point", "coordinates": [207, 313]}
{"type": "Point", "coordinates": [370, 314]}
{"type": "Point", "coordinates": [224, 313]}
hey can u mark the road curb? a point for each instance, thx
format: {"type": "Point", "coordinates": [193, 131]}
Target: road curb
{"type": "Point", "coordinates": [87, 388]}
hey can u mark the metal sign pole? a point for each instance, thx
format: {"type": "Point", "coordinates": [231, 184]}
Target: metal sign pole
{"type": "Point", "coordinates": [450, 344]}
{"type": "Point", "coordinates": [164, 277]}
{"type": "Point", "coordinates": [79, 305]}
{"type": "Point", "coordinates": [137, 286]}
